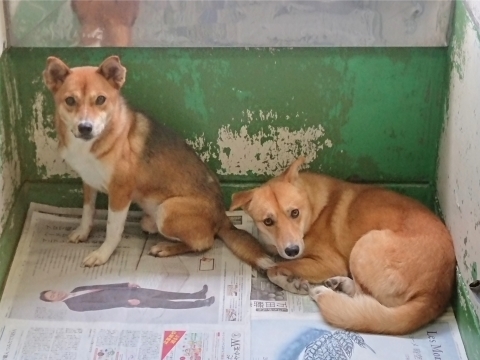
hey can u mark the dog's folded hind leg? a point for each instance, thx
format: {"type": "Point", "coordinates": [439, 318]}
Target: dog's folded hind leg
{"type": "Point", "coordinates": [341, 284]}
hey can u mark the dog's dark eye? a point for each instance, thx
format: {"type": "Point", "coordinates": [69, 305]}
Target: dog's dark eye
{"type": "Point", "coordinates": [100, 100]}
{"type": "Point", "coordinates": [70, 101]}
{"type": "Point", "coordinates": [294, 214]}
{"type": "Point", "coordinates": [268, 222]}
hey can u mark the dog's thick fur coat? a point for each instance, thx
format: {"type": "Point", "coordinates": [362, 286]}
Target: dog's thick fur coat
{"type": "Point", "coordinates": [134, 159]}
{"type": "Point", "coordinates": [399, 255]}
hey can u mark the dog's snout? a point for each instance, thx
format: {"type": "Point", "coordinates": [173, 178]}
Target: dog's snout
{"type": "Point", "coordinates": [85, 128]}
{"type": "Point", "coordinates": [292, 251]}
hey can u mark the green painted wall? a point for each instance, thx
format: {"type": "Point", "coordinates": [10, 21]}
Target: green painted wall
{"type": "Point", "coordinates": [369, 114]}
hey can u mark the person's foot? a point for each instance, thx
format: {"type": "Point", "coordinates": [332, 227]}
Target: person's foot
{"type": "Point", "coordinates": [202, 294]}
{"type": "Point", "coordinates": [210, 301]}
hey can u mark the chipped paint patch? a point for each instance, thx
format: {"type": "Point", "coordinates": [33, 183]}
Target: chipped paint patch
{"type": "Point", "coordinates": [202, 147]}
{"type": "Point", "coordinates": [268, 151]}
{"type": "Point", "coordinates": [47, 157]}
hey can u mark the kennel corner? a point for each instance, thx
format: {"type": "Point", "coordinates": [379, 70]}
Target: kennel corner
{"type": "Point", "coordinates": [401, 111]}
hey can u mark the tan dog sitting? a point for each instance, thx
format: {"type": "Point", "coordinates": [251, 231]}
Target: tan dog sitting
{"type": "Point", "coordinates": [123, 153]}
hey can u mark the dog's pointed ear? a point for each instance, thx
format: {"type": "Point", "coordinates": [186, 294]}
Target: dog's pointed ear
{"type": "Point", "coordinates": [291, 174]}
{"type": "Point", "coordinates": [241, 199]}
{"type": "Point", "coordinates": [55, 73]}
{"type": "Point", "coordinates": [112, 70]}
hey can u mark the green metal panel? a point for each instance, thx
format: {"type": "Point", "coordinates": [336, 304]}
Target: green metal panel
{"type": "Point", "coordinates": [371, 114]}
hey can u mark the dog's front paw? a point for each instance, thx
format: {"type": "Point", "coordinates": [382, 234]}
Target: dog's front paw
{"type": "Point", "coordinates": [316, 291]}
{"type": "Point", "coordinates": [95, 258]}
{"type": "Point", "coordinates": [286, 280]}
{"type": "Point", "coordinates": [80, 234]}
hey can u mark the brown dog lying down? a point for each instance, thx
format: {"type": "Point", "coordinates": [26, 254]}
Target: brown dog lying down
{"type": "Point", "coordinates": [399, 254]}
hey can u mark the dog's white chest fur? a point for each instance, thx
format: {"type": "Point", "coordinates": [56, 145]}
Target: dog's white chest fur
{"type": "Point", "coordinates": [92, 171]}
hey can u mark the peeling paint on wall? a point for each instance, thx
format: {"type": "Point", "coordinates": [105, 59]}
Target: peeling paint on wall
{"type": "Point", "coordinates": [48, 159]}
{"type": "Point", "coordinates": [268, 151]}
{"type": "Point", "coordinates": [197, 92]}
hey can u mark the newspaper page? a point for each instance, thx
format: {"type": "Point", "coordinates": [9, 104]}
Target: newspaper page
{"type": "Point", "coordinates": [197, 306]}
{"type": "Point", "coordinates": [193, 306]}
{"type": "Point", "coordinates": [287, 326]}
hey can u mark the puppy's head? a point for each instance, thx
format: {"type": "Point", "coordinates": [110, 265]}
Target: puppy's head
{"type": "Point", "coordinates": [281, 211]}
{"type": "Point", "coordinates": [85, 97]}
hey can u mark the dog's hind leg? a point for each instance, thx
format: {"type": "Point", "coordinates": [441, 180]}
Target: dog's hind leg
{"type": "Point", "coordinates": [341, 284]}
{"type": "Point", "coordinates": [186, 220]}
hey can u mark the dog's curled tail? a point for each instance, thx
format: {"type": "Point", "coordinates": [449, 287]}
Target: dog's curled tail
{"type": "Point", "coordinates": [244, 245]}
{"type": "Point", "coordinates": [363, 313]}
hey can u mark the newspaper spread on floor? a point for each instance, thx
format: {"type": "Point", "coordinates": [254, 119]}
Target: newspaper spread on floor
{"type": "Point", "coordinates": [289, 327]}
{"type": "Point", "coordinates": [196, 306]}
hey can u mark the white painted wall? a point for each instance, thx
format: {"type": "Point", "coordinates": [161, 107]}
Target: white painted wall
{"type": "Point", "coordinates": [459, 167]}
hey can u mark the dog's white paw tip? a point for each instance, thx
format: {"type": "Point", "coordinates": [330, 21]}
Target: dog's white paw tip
{"type": "Point", "coordinates": [161, 250]}
{"type": "Point", "coordinates": [78, 235]}
{"type": "Point", "coordinates": [94, 259]}
{"type": "Point", "coordinates": [265, 263]}
{"type": "Point", "coordinates": [317, 291]}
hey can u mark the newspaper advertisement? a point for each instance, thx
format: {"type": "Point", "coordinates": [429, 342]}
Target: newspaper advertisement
{"type": "Point", "coordinates": [136, 306]}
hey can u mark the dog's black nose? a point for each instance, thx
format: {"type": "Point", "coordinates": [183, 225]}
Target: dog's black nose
{"type": "Point", "coordinates": [85, 128]}
{"type": "Point", "coordinates": [292, 251]}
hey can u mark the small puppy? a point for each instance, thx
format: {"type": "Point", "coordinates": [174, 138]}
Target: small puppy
{"type": "Point", "coordinates": [132, 158]}
{"type": "Point", "coordinates": [400, 255]}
